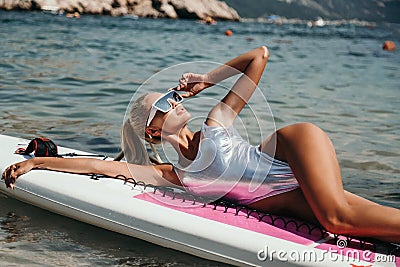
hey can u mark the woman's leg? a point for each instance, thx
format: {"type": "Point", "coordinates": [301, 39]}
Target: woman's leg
{"type": "Point", "coordinates": [291, 204]}
{"type": "Point", "coordinates": [294, 204]}
{"type": "Point", "coordinates": [312, 158]}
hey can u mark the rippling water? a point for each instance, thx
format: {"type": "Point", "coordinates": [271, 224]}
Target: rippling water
{"type": "Point", "coordinates": [71, 80]}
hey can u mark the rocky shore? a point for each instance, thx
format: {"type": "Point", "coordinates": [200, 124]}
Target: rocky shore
{"type": "Point", "coordinates": [187, 9]}
{"type": "Point", "coordinates": [363, 10]}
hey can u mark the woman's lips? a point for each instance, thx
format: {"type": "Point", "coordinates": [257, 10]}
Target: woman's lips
{"type": "Point", "coordinates": [180, 110]}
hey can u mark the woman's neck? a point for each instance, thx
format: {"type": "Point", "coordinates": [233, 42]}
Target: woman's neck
{"type": "Point", "coordinates": [186, 143]}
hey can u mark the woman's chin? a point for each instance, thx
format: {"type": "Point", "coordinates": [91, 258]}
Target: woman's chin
{"type": "Point", "coordinates": [187, 116]}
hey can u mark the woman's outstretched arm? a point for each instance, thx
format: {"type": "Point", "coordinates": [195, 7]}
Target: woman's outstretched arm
{"type": "Point", "coordinates": [250, 64]}
{"type": "Point", "coordinates": [156, 175]}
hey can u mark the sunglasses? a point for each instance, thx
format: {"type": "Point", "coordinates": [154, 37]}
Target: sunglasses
{"type": "Point", "coordinates": [163, 104]}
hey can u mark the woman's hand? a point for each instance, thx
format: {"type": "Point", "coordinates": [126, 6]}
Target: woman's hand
{"type": "Point", "coordinates": [192, 84]}
{"type": "Point", "coordinates": [12, 172]}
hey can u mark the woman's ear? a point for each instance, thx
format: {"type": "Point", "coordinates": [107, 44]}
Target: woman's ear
{"type": "Point", "coordinates": [153, 132]}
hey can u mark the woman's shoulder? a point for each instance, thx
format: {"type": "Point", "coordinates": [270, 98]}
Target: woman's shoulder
{"type": "Point", "coordinates": [212, 126]}
{"type": "Point", "coordinates": [168, 172]}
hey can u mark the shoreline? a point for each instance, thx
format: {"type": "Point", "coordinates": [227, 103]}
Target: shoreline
{"type": "Point", "coordinates": [281, 21]}
{"type": "Point", "coordinates": [173, 9]}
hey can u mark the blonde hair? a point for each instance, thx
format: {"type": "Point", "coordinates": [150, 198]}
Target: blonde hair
{"type": "Point", "coordinates": [138, 118]}
{"type": "Point", "coordinates": [133, 133]}
{"type": "Point", "coordinates": [133, 148]}
{"type": "Point", "coordinates": [138, 115]}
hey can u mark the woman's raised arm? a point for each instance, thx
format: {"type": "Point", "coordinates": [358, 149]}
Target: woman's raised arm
{"type": "Point", "coordinates": [156, 175]}
{"type": "Point", "coordinates": [251, 64]}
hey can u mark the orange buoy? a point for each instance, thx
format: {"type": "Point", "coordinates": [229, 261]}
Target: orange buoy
{"type": "Point", "coordinates": [389, 46]}
{"type": "Point", "coordinates": [228, 32]}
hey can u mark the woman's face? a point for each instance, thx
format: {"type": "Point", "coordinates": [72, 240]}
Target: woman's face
{"type": "Point", "coordinates": [172, 121]}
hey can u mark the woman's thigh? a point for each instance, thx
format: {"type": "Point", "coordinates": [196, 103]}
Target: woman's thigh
{"type": "Point", "coordinates": [312, 158]}
{"type": "Point", "coordinates": [291, 204]}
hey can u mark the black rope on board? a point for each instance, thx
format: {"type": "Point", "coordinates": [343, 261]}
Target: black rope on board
{"type": "Point", "coordinates": [362, 243]}
{"type": "Point", "coordinates": [94, 177]}
{"type": "Point", "coordinates": [265, 217]}
{"type": "Point", "coordinates": [165, 191]}
{"type": "Point", "coordinates": [73, 154]}
{"type": "Point", "coordinates": [291, 221]}
{"type": "Point", "coordinates": [239, 208]}
{"type": "Point", "coordinates": [44, 147]}
{"type": "Point", "coordinates": [306, 225]}
{"type": "Point", "coordinates": [229, 205]}
{"type": "Point", "coordinates": [261, 217]}
{"type": "Point", "coordinates": [249, 212]}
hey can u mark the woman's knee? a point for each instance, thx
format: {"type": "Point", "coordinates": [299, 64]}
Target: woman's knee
{"type": "Point", "coordinates": [299, 129]}
{"type": "Point", "coordinates": [299, 136]}
{"type": "Point", "coordinates": [338, 220]}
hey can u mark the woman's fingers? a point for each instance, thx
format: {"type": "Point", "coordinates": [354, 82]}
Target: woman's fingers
{"type": "Point", "coordinates": [7, 172]}
{"type": "Point", "coordinates": [176, 88]}
{"type": "Point", "coordinates": [183, 80]}
{"type": "Point", "coordinates": [10, 181]}
{"type": "Point", "coordinates": [188, 83]}
{"type": "Point", "coordinates": [187, 94]}
{"type": "Point", "coordinates": [192, 78]}
{"type": "Point", "coordinates": [10, 176]}
{"type": "Point", "coordinates": [6, 177]}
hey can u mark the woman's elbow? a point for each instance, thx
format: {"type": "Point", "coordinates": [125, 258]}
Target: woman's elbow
{"type": "Point", "coordinates": [108, 168]}
{"type": "Point", "coordinates": [96, 166]}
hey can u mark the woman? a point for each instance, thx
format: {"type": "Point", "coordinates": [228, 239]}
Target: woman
{"type": "Point", "coordinates": [302, 178]}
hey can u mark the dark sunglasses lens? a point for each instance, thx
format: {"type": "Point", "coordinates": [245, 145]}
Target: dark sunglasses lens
{"type": "Point", "coordinates": [164, 105]}
{"type": "Point", "coordinates": [177, 97]}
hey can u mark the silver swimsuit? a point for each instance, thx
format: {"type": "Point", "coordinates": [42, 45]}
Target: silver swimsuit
{"type": "Point", "coordinates": [228, 166]}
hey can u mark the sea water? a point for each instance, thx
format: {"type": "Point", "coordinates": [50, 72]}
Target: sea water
{"type": "Point", "coordinates": [72, 79]}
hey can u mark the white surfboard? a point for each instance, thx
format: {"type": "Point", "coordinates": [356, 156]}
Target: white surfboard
{"type": "Point", "coordinates": [228, 234]}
